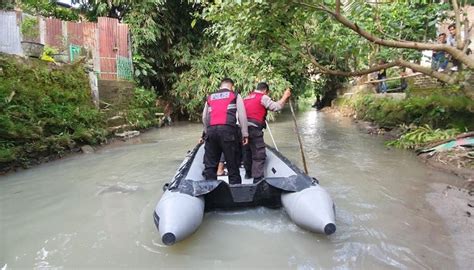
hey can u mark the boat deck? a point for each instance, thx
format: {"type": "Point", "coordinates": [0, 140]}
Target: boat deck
{"type": "Point", "coordinates": [225, 178]}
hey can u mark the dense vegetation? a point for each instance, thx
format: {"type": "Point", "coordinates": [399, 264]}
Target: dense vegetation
{"type": "Point", "coordinates": [44, 110]}
{"type": "Point", "coordinates": [47, 110]}
{"type": "Point", "coordinates": [437, 110]}
{"type": "Point", "coordinates": [181, 49]}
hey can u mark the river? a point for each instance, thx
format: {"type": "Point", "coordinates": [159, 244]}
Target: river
{"type": "Point", "coordinates": [95, 210]}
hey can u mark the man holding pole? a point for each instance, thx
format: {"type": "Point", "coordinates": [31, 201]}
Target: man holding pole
{"type": "Point", "coordinates": [256, 105]}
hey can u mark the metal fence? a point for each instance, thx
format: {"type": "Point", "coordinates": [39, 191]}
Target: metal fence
{"type": "Point", "coordinates": [107, 42]}
{"type": "Point", "coordinates": [9, 33]}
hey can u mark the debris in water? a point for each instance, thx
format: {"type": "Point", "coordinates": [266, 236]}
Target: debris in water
{"type": "Point", "coordinates": [128, 134]}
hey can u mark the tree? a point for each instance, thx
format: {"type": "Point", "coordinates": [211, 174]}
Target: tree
{"type": "Point", "coordinates": [47, 8]}
{"type": "Point", "coordinates": [114, 9]}
{"type": "Point", "coordinates": [456, 52]}
{"type": "Point", "coordinates": [309, 30]}
{"type": "Point", "coordinates": [163, 40]}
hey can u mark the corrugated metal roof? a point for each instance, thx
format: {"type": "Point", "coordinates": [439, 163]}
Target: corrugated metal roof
{"type": "Point", "coordinates": [123, 40]}
{"type": "Point", "coordinates": [108, 36]}
{"type": "Point", "coordinates": [108, 48]}
{"type": "Point", "coordinates": [75, 33]}
{"type": "Point", "coordinates": [10, 33]}
{"type": "Point", "coordinates": [54, 33]}
{"type": "Point", "coordinates": [89, 32]}
{"type": "Point", "coordinates": [107, 39]}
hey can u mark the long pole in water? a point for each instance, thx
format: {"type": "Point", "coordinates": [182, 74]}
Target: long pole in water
{"type": "Point", "coordinates": [271, 135]}
{"type": "Point", "coordinates": [299, 138]}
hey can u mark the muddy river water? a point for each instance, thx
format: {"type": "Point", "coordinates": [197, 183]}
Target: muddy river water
{"type": "Point", "coordinates": [95, 210]}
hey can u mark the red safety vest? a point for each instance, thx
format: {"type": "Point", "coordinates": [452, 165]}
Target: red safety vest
{"type": "Point", "coordinates": [256, 112]}
{"type": "Point", "coordinates": [222, 108]}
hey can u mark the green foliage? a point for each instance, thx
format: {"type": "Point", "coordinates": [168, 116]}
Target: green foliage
{"type": "Point", "coordinates": [47, 8]}
{"type": "Point", "coordinates": [181, 49]}
{"type": "Point", "coordinates": [106, 8]}
{"type": "Point", "coordinates": [29, 28]}
{"type": "Point", "coordinates": [163, 41]}
{"type": "Point", "coordinates": [245, 68]}
{"type": "Point", "coordinates": [7, 4]}
{"type": "Point", "coordinates": [46, 110]}
{"type": "Point", "coordinates": [413, 21]}
{"type": "Point", "coordinates": [416, 137]}
{"type": "Point", "coordinates": [439, 111]}
{"type": "Point", "coordinates": [290, 33]}
{"type": "Point", "coordinates": [142, 109]}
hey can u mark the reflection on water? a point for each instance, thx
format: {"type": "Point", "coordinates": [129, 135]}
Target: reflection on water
{"type": "Point", "coordinates": [95, 211]}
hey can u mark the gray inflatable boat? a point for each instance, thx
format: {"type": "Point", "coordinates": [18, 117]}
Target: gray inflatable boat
{"type": "Point", "coordinates": [180, 211]}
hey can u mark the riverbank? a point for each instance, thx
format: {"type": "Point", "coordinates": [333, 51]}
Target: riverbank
{"type": "Point", "coordinates": [453, 161]}
{"type": "Point", "coordinates": [48, 111]}
{"type": "Point", "coordinates": [109, 143]}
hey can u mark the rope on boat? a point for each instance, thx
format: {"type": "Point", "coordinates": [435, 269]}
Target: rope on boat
{"type": "Point", "coordinates": [271, 135]}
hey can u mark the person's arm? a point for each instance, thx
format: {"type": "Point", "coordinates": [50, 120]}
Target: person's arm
{"type": "Point", "coordinates": [242, 115]}
{"type": "Point", "coordinates": [274, 106]}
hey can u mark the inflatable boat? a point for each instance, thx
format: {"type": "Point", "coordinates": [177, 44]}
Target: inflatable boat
{"type": "Point", "coordinates": [180, 210]}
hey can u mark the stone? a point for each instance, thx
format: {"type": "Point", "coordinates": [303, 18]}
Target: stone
{"type": "Point", "coordinates": [87, 149]}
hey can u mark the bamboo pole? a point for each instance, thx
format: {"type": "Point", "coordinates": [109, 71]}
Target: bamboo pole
{"type": "Point", "coordinates": [271, 135]}
{"type": "Point", "coordinates": [299, 138]}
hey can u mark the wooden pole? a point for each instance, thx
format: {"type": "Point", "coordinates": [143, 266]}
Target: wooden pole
{"type": "Point", "coordinates": [299, 138]}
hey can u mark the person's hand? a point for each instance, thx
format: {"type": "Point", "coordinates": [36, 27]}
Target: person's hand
{"type": "Point", "coordinates": [287, 93]}
{"type": "Point", "coordinates": [245, 141]}
{"type": "Point", "coordinates": [201, 140]}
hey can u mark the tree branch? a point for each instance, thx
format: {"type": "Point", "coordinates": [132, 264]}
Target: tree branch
{"type": "Point", "coordinates": [428, 71]}
{"type": "Point", "coordinates": [454, 52]}
{"type": "Point", "coordinates": [399, 62]}
{"type": "Point", "coordinates": [457, 18]}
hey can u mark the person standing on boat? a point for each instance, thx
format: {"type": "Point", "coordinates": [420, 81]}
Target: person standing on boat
{"type": "Point", "coordinates": [221, 134]}
{"type": "Point", "coordinates": [256, 105]}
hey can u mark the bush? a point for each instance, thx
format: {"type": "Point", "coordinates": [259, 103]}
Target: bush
{"type": "Point", "coordinates": [437, 111]}
{"type": "Point", "coordinates": [141, 110]}
{"type": "Point", "coordinates": [416, 137]}
{"type": "Point", "coordinates": [46, 110]}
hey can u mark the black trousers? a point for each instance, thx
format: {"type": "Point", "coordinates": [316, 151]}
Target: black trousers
{"type": "Point", "coordinates": [254, 160]}
{"type": "Point", "coordinates": [222, 139]}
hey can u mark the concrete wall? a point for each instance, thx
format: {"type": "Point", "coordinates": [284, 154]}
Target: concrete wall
{"type": "Point", "coordinates": [424, 82]}
{"type": "Point", "coordinates": [115, 92]}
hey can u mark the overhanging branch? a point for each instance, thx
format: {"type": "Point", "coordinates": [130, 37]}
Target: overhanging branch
{"type": "Point", "coordinates": [454, 52]}
{"type": "Point", "coordinates": [399, 62]}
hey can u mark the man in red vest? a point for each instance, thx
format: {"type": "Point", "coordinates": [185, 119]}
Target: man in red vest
{"type": "Point", "coordinates": [220, 128]}
{"type": "Point", "coordinates": [256, 105]}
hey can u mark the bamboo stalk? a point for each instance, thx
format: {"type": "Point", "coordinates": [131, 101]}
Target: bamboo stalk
{"type": "Point", "coordinates": [299, 138]}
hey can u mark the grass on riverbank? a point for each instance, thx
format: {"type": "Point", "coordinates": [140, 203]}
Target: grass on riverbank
{"type": "Point", "coordinates": [47, 110]}
{"type": "Point", "coordinates": [422, 120]}
{"type": "Point", "coordinates": [437, 111]}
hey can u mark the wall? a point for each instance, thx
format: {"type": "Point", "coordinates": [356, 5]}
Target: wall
{"type": "Point", "coordinates": [107, 41]}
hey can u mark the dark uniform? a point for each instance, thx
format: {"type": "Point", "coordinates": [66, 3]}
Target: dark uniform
{"type": "Point", "coordinates": [256, 105]}
{"type": "Point", "coordinates": [222, 135]}
{"type": "Point", "coordinates": [254, 158]}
